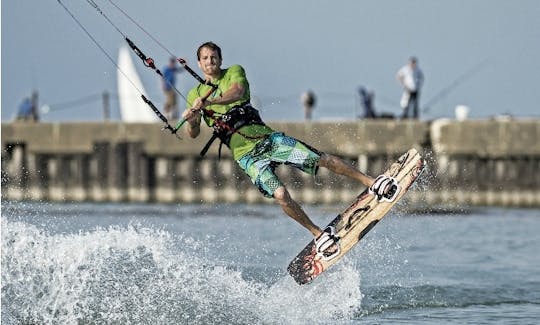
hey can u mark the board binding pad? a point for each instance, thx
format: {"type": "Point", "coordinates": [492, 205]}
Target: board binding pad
{"type": "Point", "coordinates": [357, 220]}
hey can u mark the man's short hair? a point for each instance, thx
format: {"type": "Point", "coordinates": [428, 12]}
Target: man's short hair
{"type": "Point", "coordinates": [211, 45]}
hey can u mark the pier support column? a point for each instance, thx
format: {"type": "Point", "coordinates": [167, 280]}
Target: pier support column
{"type": "Point", "coordinates": [16, 178]}
{"type": "Point", "coordinates": [185, 171]}
{"type": "Point", "coordinates": [138, 189]}
{"type": "Point", "coordinates": [98, 172]}
{"type": "Point", "coordinates": [76, 170]}
{"type": "Point", "coordinates": [117, 172]}
{"type": "Point", "coordinates": [164, 174]}
{"type": "Point", "coordinates": [37, 177]}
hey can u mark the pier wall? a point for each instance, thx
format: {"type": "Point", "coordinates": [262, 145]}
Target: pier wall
{"type": "Point", "coordinates": [476, 162]}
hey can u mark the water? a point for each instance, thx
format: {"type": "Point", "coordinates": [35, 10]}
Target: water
{"type": "Point", "coordinates": [226, 264]}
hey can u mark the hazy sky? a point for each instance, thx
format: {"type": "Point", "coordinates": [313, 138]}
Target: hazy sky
{"type": "Point", "coordinates": [485, 53]}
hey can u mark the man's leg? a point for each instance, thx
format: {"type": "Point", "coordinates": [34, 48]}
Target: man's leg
{"type": "Point", "coordinates": [404, 103]}
{"type": "Point", "coordinates": [415, 106]}
{"type": "Point", "coordinates": [293, 210]}
{"type": "Point", "coordinates": [406, 109]}
{"type": "Point", "coordinates": [166, 110]}
{"type": "Point", "coordinates": [327, 246]}
{"type": "Point", "coordinates": [341, 167]}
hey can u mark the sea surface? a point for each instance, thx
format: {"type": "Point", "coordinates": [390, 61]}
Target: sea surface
{"type": "Point", "coordinates": [226, 264]}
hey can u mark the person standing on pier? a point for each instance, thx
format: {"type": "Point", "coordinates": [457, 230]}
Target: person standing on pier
{"type": "Point", "coordinates": [411, 79]}
{"type": "Point", "coordinates": [168, 83]}
{"type": "Point", "coordinates": [308, 101]}
{"type": "Point", "coordinates": [256, 147]}
{"type": "Point", "coordinates": [28, 109]}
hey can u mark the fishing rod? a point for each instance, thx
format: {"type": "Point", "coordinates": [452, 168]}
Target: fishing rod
{"type": "Point", "coordinates": [456, 82]}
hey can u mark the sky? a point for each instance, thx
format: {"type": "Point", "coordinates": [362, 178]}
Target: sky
{"type": "Point", "coordinates": [481, 53]}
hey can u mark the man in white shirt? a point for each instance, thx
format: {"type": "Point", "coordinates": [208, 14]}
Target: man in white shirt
{"type": "Point", "coordinates": [411, 79]}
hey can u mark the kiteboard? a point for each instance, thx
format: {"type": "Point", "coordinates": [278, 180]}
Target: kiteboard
{"type": "Point", "coordinates": [357, 220]}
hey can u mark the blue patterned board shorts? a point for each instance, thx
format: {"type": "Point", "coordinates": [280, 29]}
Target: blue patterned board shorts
{"type": "Point", "coordinates": [278, 148]}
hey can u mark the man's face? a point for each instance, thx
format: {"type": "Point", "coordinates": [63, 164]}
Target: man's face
{"type": "Point", "coordinates": [209, 62]}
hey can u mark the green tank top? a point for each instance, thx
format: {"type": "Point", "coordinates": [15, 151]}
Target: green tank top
{"type": "Point", "coordinates": [248, 136]}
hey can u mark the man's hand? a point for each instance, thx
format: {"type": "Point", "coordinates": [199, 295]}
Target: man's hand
{"type": "Point", "coordinates": [192, 115]}
{"type": "Point", "coordinates": [199, 103]}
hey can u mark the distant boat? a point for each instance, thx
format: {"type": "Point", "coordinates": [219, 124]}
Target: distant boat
{"type": "Point", "coordinates": [132, 108]}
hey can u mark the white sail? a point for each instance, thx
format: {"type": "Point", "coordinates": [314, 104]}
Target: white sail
{"type": "Point", "coordinates": [132, 107]}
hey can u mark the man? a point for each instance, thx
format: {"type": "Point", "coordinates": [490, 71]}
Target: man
{"type": "Point", "coordinates": [308, 101]}
{"type": "Point", "coordinates": [28, 109]}
{"type": "Point", "coordinates": [256, 147]}
{"type": "Point", "coordinates": [366, 99]}
{"type": "Point", "coordinates": [168, 86]}
{"type": "Point", "coordinates": [411, 79]}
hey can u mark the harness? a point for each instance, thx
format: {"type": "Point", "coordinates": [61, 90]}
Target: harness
{"type": "Point", "coordinates": [225, 125]}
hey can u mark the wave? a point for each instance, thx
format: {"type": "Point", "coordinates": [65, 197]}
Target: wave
{"type": "Point", "coordinates": [396, 298]}
{"type": "Point", "coordinates": [140, 275]}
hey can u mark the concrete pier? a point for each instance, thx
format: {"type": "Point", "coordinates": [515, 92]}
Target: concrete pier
{"type": "Point", "coordinates": [475, 162]}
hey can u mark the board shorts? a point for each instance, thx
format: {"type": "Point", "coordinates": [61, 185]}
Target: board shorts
{"type": "Point", "coordinates": [260, 163]}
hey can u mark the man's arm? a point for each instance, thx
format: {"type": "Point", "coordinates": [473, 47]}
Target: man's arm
{"type": "Point", "coordinates": [193, 118]}
{"type": "Point", "coordinates": [193, 115]}
{"type": "Point", "coordinates": [399, 77]}
{"type": "Point", "coordinates": [231, 95]}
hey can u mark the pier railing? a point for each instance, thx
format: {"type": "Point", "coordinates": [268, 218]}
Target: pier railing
{"type": "Point", "coordinates": [476, 162]}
